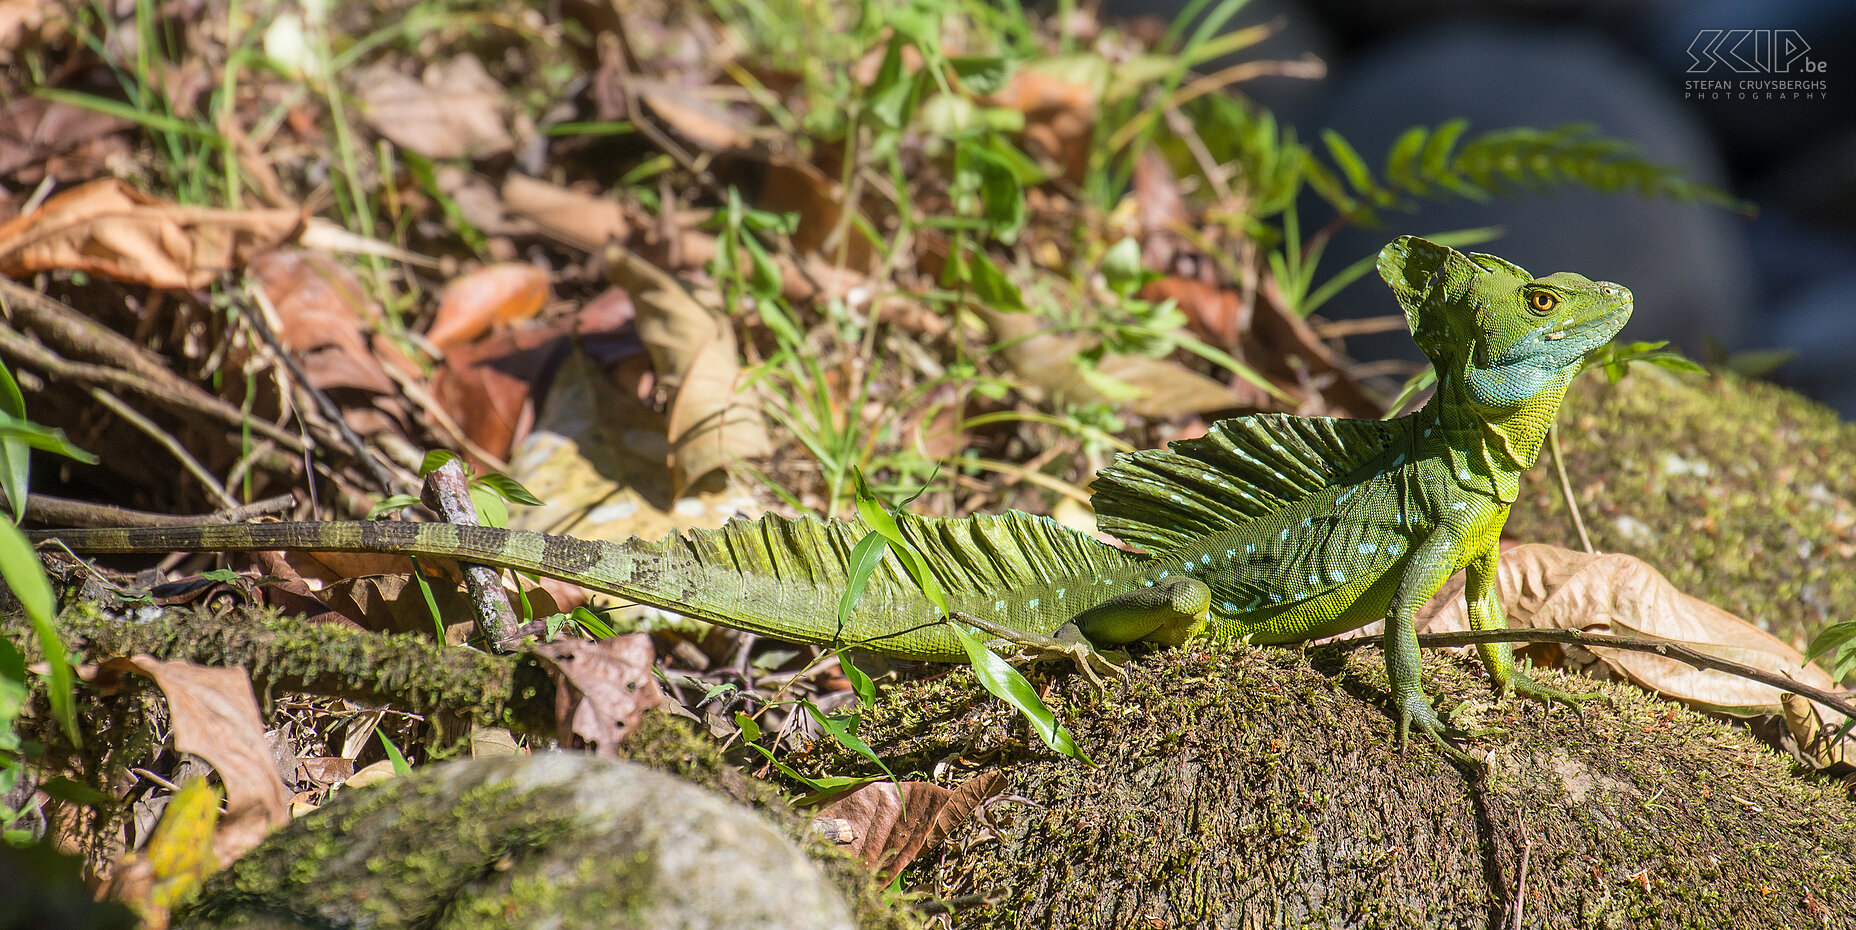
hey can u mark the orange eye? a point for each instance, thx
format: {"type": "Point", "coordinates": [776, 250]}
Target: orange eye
{"type": "Point", "coordinates": [1542, 302]}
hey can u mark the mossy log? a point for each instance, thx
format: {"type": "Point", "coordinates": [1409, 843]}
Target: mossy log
{"type": "Point", "coordinates": [1243, 787]}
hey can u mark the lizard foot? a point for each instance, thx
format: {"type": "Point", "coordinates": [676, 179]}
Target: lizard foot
{"type": "Point", "coordinates": [1036, 646]}
{"type": "Point", "coordinates": [1525, 687]}
{"type": "Point", "coordinates": [1416, 710]}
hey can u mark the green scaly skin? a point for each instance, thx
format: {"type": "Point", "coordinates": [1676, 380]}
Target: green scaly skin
{"type": "Point", "coordinates": [1275, 528]}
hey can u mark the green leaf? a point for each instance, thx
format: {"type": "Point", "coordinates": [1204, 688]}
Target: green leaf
{"type": "Point", "coordinates": [1351, 164]}
{"type": "Point", "coordinates": [1838, 641]}
{"type": "Point", "coordinates": [221, 575]}
{"type": "Point", "coordinates": [19, 566]}
{"type": "Point", "coordinates": [1413, 386]}
{"type": "Point", "coordinates": [510, 489]}
{"type": "Point", "coordinates": [991, 285]}
{"type": "Point", "coordinates": [982, 74]}
{"type": "Point", "coordinates": [860, 682]}
{"type": "Point", "coordinates": [14, 458]}
{"type": "Point", "coordinates": [1004, 681]}
{"type": "Point", "coordinates": [880, 520]}
{"type": "Point", "coordinates": [400, 765]}
{"type": "Point", "coordinates": [1403, 157]}
{"type": "Point", "coordinates": [594, 624]}
{"type": "Point", "coordinates": [750, 730]}
{"type": "Point", "coordinates": [431, 600]}
{"type": "Point", "coordinates": [843, 728]}
{"type": "Point", "coordinates": [865, 557]}
{"type": "Point", "coordinates": [392, 503]}
{"type": "Point", "coordinates": [436, 459]}
{"type": "Point", "coordinates": [1121, 267]}
{"type": "Point", "coordinates": [1436, 157]}
{"type": "Point", "coordinates": [491, 511]}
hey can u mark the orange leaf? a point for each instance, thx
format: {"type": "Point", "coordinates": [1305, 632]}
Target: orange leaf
{"type": "Point", "coordinates": [474, 302]}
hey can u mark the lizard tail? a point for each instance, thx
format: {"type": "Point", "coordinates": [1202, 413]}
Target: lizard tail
{"type": "Point", "coordinates": [776, 576]}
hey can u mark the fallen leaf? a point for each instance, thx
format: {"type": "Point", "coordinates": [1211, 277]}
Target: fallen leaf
{"type": "Point", "coordinates": [584, 221]}
{"type": "Point", "coordinates": [1817, 738]}
{"type": "Point", "coordinates": [177, 859]}
{"type": "Point", "coordinates": [109, 229]}
{"type": "Point", "coordinates": [712, 423]}
{"type": "Point", "coordinates": [1547, 587]}
{"type": "Point", "coordinates": [215, 716]}
{"type": "Point", "coordinates": [486, 297]}
{"type": "Point", "coordinates": [66, 141]}
{"type": "Point", "coordinates": [888, 828]}
{"type": "Point", "coordinates": [602, 688]}
{"type": "Point", "coordinates": [1151, 387]}
{"type": "Point", "coordinates": [711, 125]}
{"type": "Point", "coordinates": [322, 316]}
{"type": "Point", "coordinates": [454, 112]}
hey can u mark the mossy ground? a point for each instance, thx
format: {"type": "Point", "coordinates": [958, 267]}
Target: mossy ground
{"type": "Point", "coordinates": [1240, 787]}
{"type": "Point", "coordinates": [1742, 493]}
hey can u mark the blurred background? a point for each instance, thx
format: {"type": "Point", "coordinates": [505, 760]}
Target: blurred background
{"type": "Point", "coordinates": [1772, 294]}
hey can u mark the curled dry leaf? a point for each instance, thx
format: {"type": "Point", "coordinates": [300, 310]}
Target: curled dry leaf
{"type": "Point", "coordinates": [455, 112]}
{"type": "Point", "coordinates": [887, 828]}
{"type": "Point", "coordinates": [112, 230]}
{"type": "Point", "coordinates": [1547, 587]}
{"type": "Point", "coordinates": [602, 688]}
{"type": "Point", "coordinates": [693, 349]}
{"type": "Point", "coordinates": [493, 295]}
{"type": "Point", "coordinates": [215, 716]}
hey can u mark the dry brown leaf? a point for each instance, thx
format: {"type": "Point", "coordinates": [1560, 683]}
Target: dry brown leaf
{"type": "Point", "coordinates": [584, 221]}
{"type": "Point", "coordinates": [712, 126]}
{"type": "Point", "coordinates": [1547, 587]}
{"type": "Point", "coordinates": [68, 142]}
{"type": "Point", "coordinates": [711, 424]}
{"type": "Point", "coordinates": [887, 833]}
{"type": "Point", "coordinates": [888, 829]}
{"type": "Point", "coordinates": [601, 688]}
{"type": "Point", "coordinates": [454, 112]}
{"type": "Point", "coordinates": [215, 716]}
{"type": "Point", "coordinates": [322, 316]}
{"type": "Point", "coordinates": [1151, 387]}
{"type": "Point", "coordinates": [111, 230]}
{"type": "Point", "coordinates": [1060, 115]}
{"type": "Point", "coordinates": [1817, 738]}
{"type": "Point", "coordinates": [486, 297]}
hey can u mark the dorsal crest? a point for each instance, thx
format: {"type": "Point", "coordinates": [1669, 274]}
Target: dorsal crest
{"type": "Point", "coordinates": [1240, 470]}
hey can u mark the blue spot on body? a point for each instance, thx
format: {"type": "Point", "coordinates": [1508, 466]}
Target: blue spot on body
{"type": "Point", "coordinates": [1034, 603]}
{"type": "Point", "coordinates": [1205, 559]}
{"type": "Point", "coordinates": [1249, 548]}
{"type": "Point", "coordinates": [1336, 575]}
{"type": "Point", "coordinates": [1368, 548]}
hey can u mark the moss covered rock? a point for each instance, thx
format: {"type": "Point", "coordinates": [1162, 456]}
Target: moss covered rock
{"type": "Point", "coordinates": [560, 840]}
{"type": "Point", "coordinates": [1243, 787]}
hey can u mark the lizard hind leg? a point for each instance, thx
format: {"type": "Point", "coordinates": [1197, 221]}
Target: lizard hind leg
{"type": "Point", "coordinates": [1166, 614]}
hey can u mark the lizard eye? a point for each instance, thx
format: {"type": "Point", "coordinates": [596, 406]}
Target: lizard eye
{"type": "Point", "coordinates": [1542, 302]}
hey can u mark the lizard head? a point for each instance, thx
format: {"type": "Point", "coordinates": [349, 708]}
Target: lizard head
{"type": "Point", "coordinates": [1503, 318]}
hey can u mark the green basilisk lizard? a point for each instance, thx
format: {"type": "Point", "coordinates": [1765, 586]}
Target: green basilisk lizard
{"type": "Point", "coordinates": [1272, 527]}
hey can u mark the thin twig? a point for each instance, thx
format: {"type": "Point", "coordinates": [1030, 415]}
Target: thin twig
{"type": "Point", "coordinates": [178, 394]}
{"type": "Point", "coordinates": [260, 324]}
{"type": "Point", "coordinates": [1520, 891]}
{"type": "Point", "coordinates": [1661, 647]}
{"type": "Point", "coordinates": [1572, 502]}
{"type": "Point", "coordinates": [59, 511]}
{"type": "Point", "coordinates": [166, 441]}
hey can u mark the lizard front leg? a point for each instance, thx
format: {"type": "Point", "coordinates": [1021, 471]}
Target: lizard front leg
{"type": "Point", "coordinates": [1486, 613]}
{"type": "Point", "coordinates": [1429, 566]}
